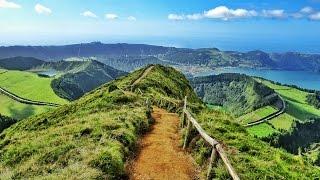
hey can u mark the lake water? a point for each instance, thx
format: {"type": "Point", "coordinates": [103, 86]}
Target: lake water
{"type": "Point", "coordinates": [308, 80]}
{"type": "Point", "coordinates": [49, 73]}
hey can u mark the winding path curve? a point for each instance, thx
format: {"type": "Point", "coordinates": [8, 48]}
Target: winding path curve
{"type": "Point", "coordinates": [270, 116]}
{"type": "Point", "coordinates": [26, 101]}
{"type": "Point", "coordinates": [144, 74]}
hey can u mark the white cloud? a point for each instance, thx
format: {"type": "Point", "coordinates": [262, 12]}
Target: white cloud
{"type": "Point", "coordinates": [111, 16]}
{"type": "Point", "coordinates": [194, 16]}
{"type": "Point", "coordinates": [89, 14]}
{"type": "Point", "coordinates": [224, 13]}
{"type": "Point", "coordinates": [8, 4]}
{"type": "Point", "coordinates": [176, 17]}
{"type": "Point", "coordinates": [275, 13]}
{"type": "Point", "coordinates": [132, 18]}
{"type": "Point", "coordinates": [40, 9]}
{"type": "Point", "coordinates": [297, 15]}
{"type": "Point", "coordinates": [306, 10]}
{"type": "Point", "coordinates": [315, 16]}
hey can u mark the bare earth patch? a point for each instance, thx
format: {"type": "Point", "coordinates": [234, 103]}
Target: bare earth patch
{"type": "Point", "coordinates": [160, 156]}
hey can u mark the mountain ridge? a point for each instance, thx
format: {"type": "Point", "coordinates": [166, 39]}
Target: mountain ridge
{"type": "Point", "coordinates": [118, 54]}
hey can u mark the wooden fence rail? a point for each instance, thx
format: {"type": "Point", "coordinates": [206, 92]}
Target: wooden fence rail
{"type": "Point", "coordinates": [217, 150]}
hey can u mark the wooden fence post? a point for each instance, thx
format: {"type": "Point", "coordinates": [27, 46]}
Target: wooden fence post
{"type": "Point", "coordinates": [187, 134]}
{"type": "Point", "coordinates": [227, 163]}
{"type": "Point", "coordinates": [183, 111]}
{"type": "Point", "coordinates": [212, 161]}
{"type": "Point", "coordinates": [148, 104]}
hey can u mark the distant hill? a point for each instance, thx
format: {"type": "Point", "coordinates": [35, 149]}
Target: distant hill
{"type": "Point", "coordinates": [128, 57]}
{"type": "Point", "coordinates": [239, 94]}
{"type": "Point", "coordinates": [20, 63]}
{"type": "Point", "coordinates": [73, 79]}
{"type": "Point", "coordinates": [55, 53]}
{"type": "Point", "coordinates": [79, 77]}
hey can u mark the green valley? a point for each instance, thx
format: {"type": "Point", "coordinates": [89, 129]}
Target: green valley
{"type": "Point", "coordinates": [95, 136]}
{"type": "Point", "coordinates": [30, 86]}
{"type": "Point", "coordinates": [16, 110]}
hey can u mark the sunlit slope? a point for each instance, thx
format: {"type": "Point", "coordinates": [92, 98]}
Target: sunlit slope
{"type": "Point", "coordinates": [296, 100]}
{"type": "Point", "coordinates": [91, 138]}
{"type": "Point", "coordinates": [239, 94]}
{"type": "Point", "coordinates": [16, 110]}
{"type": "Point", "coordinates": [297, 109]}
{"type": "Point", "coordinates": [30, 86]}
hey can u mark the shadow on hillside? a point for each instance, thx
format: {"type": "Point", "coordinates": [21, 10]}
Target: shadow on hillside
{"type": "Point", "coordinates": [22, 113]}
{"type": "Point", "coordinates": [301, 137]}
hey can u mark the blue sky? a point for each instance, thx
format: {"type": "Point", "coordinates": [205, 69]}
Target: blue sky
{"type": "Point", "coordinates": [273, 25]}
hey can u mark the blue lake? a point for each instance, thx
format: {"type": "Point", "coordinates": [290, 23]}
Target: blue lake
{"type": "Point", "coordinates": [49, 73]}
{"type": "Point", "coordinates": [308, 80]}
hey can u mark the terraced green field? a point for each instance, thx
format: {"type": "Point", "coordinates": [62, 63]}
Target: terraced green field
{"type": "Point", "coordinates": [296, 109]}
{"type": "Point", "coordinates": [18, 110]}
{"type": "Point", "coordinates": [296, 101]}
{"type": "Point", "coordinates": [256, 115]}
{"type": "Point", "coordinates": [282, 122]}
{"type": "Point", "coordinates": [262, 130]}
{"type": "Point", "coordinates": [30, 86]}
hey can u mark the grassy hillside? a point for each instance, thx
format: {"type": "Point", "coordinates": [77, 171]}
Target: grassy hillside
{"type": "Point", "coordinates": [239, 94]}
{"type": "Point", "coordinates": [91, 138]}
{"type": "Point", "coordinates": [18, 110]}
{"type": "Point", "coordinates": [257, 114]}
{"type": "Point", "coordinates": [30, 86]}
{"type": "Point", "coordinates": [251, 158]}
{"type": "Point", "coordinates": [81, 77]}
{"type": "Point", "coordinates": [20, 63]}
{"type": "Point", "coordinates": [297, 109]}
{"type": "Point", "coordinates": [296, 100]}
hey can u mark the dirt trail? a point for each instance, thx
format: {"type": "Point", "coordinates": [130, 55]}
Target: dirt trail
{"type": "Point", "coordinates": [160, 156]}
{"type": "Point", "coordinates": [145, 73]}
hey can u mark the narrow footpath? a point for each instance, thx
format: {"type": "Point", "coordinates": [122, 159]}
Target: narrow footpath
{"type": "Point", "coordinates": [160, 156]}
{"type": "Point", "coordinates": [145, 73]}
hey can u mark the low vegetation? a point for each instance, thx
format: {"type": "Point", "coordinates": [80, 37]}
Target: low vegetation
{"type": "Point", "coordinates": [314, 99]}
{"type": "Point", "coordinates": [20, 63]}
{"type": "Point", "coordinates": [239, 94]}
{"type": "Point", "coordinates": [251, 158]}
{"type": "Point", "coordinates": [30, 86]}
{"type": "Point", "coordinates": [6, 122]}
{"type": "Point", "coordinates": [296, 100]}
{"type": "Point", "coordinates": [16, 110]}
{"type": "Point", "coordinates": [257, 114]}
{"type": "Point", "coordinates": [91, 138]}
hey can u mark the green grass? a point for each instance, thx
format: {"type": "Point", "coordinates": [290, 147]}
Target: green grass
{"type": "Point", "coordinates": [18, 110]}
{"type": "Point", "coordinates": [90, 138]}
{"type": "Point", "coordinates": [218, 108]}
{"type": "Point", "coordinates": [30, 86]}
{"type": "Point", "coordinates": [262, 130]}
{"type": "Point", "coordinates": [257, 114]}
{"type": "Point", "coordinates": [251, 158]}
{"type": "Point", "coordinates": [93, 137]}
{"type": "Point", "coordinates": [283, 122]}
{"type": "Point", "coordinates": [297, 105]}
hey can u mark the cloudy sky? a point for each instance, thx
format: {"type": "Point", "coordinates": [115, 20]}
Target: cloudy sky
{"type": "Point", "coordinates": [271, 25]}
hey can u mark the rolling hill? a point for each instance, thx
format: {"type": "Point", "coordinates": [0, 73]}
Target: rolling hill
{"type": "Point", "coordinates": [93, 137]}
{"type": "Point", "coordinates": [30, 86]}
{"type": "Point", "coordinates": [20, 63]}
{"type": "Point", "coordinates": [128, 57]}
{"type": "Point", "coordinates": [239, 94]}
{"type": "Point", "coordinates": [69, 81]}
{"type": "Point", "coordinates": [79, 77]}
